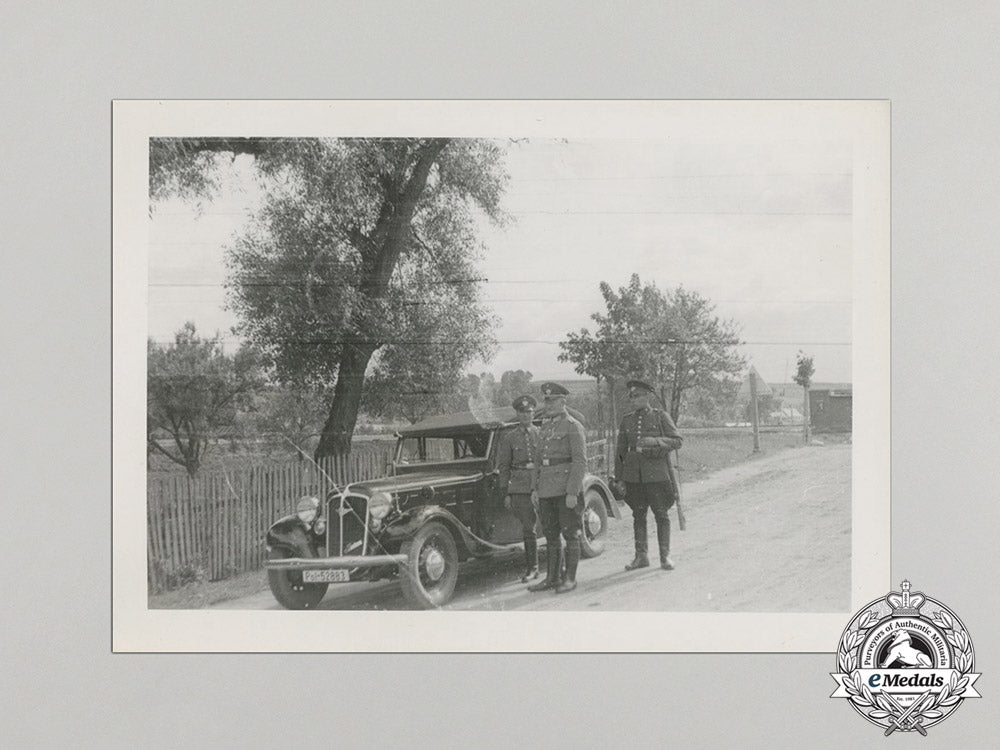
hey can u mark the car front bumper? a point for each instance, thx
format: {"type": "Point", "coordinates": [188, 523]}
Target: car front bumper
{"type": "Point", "coordinates": [344, 562]}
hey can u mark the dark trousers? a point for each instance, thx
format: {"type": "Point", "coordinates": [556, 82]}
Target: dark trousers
{"type": "Point", "coordinates": [556, 518]}
{"type": "Point", "coordinates": [655, 496]}
{"type": "Point", "coordinates": [524, 510]}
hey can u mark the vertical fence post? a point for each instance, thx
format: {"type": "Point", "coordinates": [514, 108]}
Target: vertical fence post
{"type": "Point", "coordinates": [218, 520]}
{"type": "Point", "coordinates": [154, 526]}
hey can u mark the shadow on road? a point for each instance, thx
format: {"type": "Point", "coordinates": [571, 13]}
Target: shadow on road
{"type": "Point", "coordinates": [493, 584]}
{"type": "Point", "coordinates": [489, 574]}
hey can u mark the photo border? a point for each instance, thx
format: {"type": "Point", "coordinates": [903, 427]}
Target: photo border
{"type": "Point", "coordinates": [135, 628]}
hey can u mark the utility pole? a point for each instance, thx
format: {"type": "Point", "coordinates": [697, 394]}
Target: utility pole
{"type": "Point", "coordinates": [806, 431]}
{"type": "Point", "coordinates": [758, 388]}
{"type": "Point", "coordinates": [803, 377]}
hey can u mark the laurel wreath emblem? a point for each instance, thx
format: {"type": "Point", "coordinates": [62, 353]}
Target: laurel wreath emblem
{"type": "Point", "coordinates": [881, 708]}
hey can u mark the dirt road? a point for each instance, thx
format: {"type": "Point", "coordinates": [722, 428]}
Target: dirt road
{"type": "Point", "coordinates": [770, 535]}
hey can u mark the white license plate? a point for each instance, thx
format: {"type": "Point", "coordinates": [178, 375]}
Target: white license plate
{"type": "Point", "coordinates": [325, 576]}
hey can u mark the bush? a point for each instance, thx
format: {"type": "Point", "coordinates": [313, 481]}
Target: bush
{"type": "Point", "coordinates": [165, 578]}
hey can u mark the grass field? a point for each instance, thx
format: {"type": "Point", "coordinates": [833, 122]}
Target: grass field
{"type": "Point", "coordinates": [710, 449]}
{"type": "Point", "coordinates": [705, 451]}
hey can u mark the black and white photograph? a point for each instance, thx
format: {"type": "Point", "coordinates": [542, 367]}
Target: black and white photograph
{"type": "Point", "coordinates": [426, 307]}
{"type": "Point", "coordinates": [610, 371]}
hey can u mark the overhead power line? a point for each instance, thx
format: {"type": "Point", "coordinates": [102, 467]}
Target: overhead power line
{"type": "Point", "coordinates": [448, 342]}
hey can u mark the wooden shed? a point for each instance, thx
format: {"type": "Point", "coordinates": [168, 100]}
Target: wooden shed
{"type": "Point", "coordinates": [830, 409]}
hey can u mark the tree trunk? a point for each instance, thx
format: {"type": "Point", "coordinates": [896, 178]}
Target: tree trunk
{"type": "Point", "coordinates": [680, 366]}
{"type": "Point", "coordinates": [381, 251]}
{"type": "Point", "coordinates": [335, 439]}
{"type": "Point", "coordinates": [675, 404]}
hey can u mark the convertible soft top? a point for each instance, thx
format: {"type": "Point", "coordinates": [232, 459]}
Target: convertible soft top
{"type": "Point", "coordinates": [487, 418]}
{"type": "Point", "coordinates": [463, 421]}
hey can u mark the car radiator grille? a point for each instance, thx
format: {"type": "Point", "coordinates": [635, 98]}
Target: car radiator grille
{"type": "Point", "coordinates": [346, 531]}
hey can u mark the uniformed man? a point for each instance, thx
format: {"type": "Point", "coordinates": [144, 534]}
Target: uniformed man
{"type": "Point", "coordinates": [560, 485]}
{"type": "Point", "coordinates": [544, 412]}
{"type": "Point", "coordinates": [518, 462]}
{"type": "Point", "coordinates": [645, 439]}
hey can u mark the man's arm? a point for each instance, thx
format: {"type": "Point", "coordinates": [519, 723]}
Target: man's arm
{"type": "Point", "coordinates": [668, 440]}
{"type": "Point", "coordinates": [578, 459]}
{"type": "Point", "coordinates": [504, 459]}
{"type": "Point", "coordinates": [620, 449]}
{"type": "Point", "coordinates": [671, 439]}
{"type": "Point", "coordinates": [535, 472]}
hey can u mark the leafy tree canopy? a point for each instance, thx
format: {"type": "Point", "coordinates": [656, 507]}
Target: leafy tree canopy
{"type": "Point", "coordinates": [193, 392]}
{"type": "Point", "coordinates": [804, 370]}
{"type": "Point", "coordinates": [670, 338]}
{"type": "Point", "coordinates": [361, 246]}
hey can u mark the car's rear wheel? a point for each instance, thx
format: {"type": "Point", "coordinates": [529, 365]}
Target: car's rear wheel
{"type": "Point", "coordinates": [431, 571]}
{"type": "Point", "coordinates": [595, 524]}
{"type": "Point", "coordinates": [288, 587]}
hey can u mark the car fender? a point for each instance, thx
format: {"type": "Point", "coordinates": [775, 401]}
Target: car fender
{"type": "Point", "coordinates": [592, 481]}
{"type": "Point", "coordinates": [411, 521]}
{"type": "Point", "coordinates": [290, 533]}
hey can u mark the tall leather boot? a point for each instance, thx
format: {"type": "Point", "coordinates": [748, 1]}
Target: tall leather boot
{"type": "Point", "coordinates": [663, 537]}
{"type": "Point", "coordinates": [551, 579]}
{"type": "Point", "coordinates": [641, 557]}
{"type": "Point", "coordinates": [530, 559]}
{"type": "Point", "coordinates": [572, 560]}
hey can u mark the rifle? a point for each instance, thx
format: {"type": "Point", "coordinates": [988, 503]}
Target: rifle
{"type": "Point", "coordinates": [675, 477]}
{"type": "Point", "coordinates": [673, 466]}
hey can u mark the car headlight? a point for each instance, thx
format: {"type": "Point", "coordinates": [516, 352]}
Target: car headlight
{"type": "Point", "coordinates": [380, 505]}
{"type": "Point", "coordinates": [307, 509]}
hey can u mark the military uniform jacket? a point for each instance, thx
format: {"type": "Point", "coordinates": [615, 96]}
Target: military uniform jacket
{"type": "Point", "coordinates": [563, 457]}
{"type": "Point", "coordinates": [648, 464]}
{"type": "Point", "coordinates": [518, 461]}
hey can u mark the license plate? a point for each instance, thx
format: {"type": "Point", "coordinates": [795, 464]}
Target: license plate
{"type": "Point", "coordinates": [325, 576]}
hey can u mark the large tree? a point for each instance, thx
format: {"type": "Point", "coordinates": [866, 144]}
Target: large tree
{"type": "Point", "coordinates": [607, 355]}
{"type": "Point", "coordinates": [193, 392]}
{"type": "Point", "coordinates": [421, 373]}
{"type": "Point", "coordinates": [353, 236]}
{"type": "Point", "coordinates": [671, 338]}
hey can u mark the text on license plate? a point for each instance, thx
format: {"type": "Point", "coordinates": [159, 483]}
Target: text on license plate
{"type": "Point", "coordinates": [325, 576]}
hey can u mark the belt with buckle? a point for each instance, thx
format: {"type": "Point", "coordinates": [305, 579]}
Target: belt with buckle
{"type": "Point", "coordinates": [556, 461]}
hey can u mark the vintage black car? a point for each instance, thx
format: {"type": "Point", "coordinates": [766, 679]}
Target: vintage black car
{"type": "Point", "coordinates": [439, 507]}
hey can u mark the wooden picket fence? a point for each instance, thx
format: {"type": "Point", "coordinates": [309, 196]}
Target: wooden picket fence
{"type": "Point", "coordinates": [213, 526]}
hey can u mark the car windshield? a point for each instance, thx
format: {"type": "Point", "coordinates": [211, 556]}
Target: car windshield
{"type": "Point", "coordinates": [433, 449]}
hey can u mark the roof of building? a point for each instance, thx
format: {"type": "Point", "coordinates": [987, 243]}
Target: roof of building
{"type": "Point", "coordinates": [821, 387]}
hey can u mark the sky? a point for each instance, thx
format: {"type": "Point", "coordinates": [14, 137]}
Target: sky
{"type": "Point", "coordinates": [759, 226]}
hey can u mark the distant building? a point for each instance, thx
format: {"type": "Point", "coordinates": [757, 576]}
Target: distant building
{"type": "Point", "coordinates": [830, 409]}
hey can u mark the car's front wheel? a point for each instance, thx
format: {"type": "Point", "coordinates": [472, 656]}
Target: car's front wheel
{"type": "Point", "coordinates": [431, 571]}
{"type": "Point", "coordinates": [288, 587]}
{"type": "Point", "coordinates": [595, 524]}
